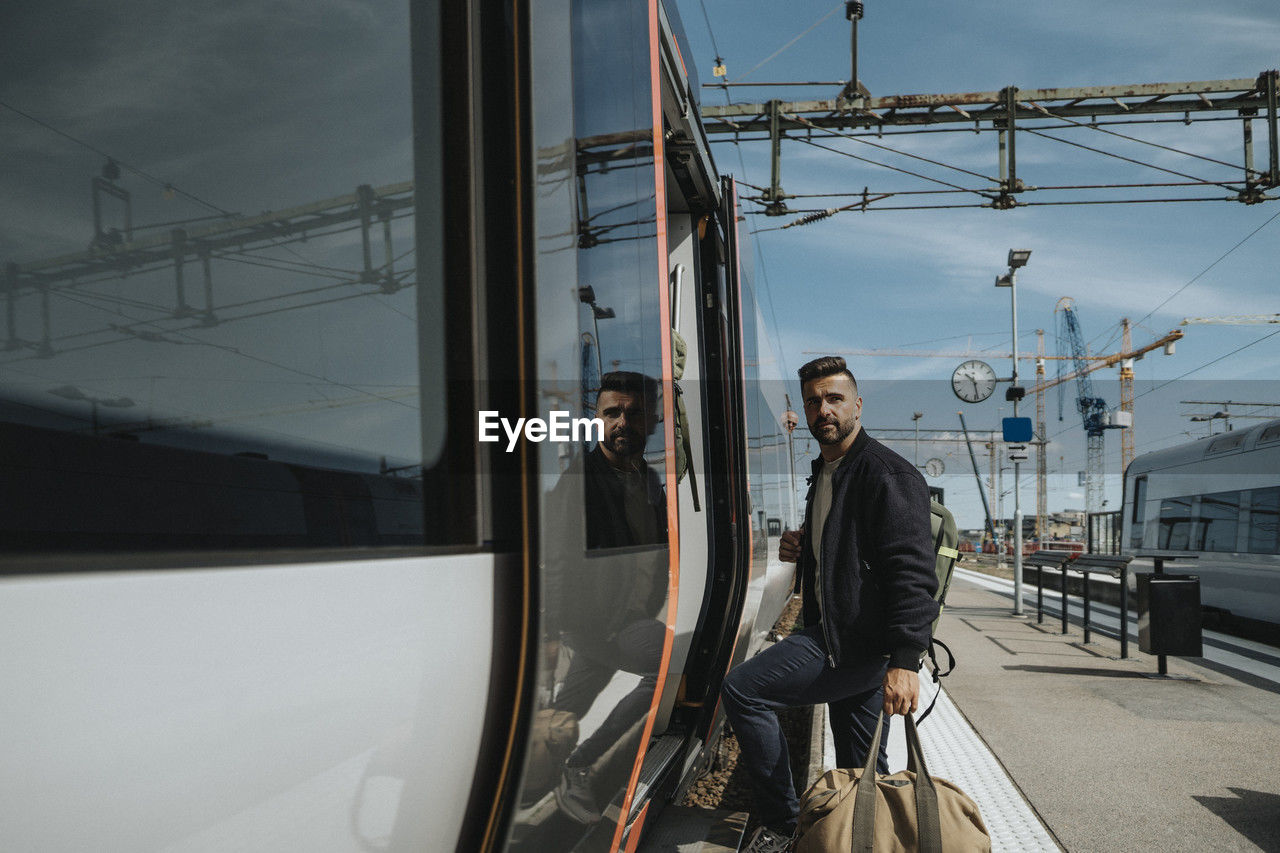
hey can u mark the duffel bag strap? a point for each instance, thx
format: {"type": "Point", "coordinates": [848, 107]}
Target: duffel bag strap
{"type": "Point", "coordinates": [928, 818]}
{"type": "Point", "coordinates": [864, 806]}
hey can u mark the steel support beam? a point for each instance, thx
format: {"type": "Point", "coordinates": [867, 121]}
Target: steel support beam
{"type": "Point", "coordinates": [1268, 81]}
{"type": "Point", "coordinates": [970, 107]}
{"type": "Point", "coordinates": [364, 203]}
{"type": "Point", "coordinates": [208, 318]}
{"type": "Point", "coordinates": [776, 207]}
{"type": "Point", "coordinates": [181, 308]}
{"type": "Point", "coordinates": [11, 342]}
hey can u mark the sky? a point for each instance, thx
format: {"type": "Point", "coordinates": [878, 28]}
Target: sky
{"type": "Point", "coordinates": [924, 280]}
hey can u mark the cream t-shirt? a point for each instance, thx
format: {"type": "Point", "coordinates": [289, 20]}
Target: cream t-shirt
{"type": "Point", "coordinates": [822, 506]}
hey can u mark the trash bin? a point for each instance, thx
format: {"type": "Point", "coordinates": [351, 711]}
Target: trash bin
{"type": "Point", "coordinates": [1169, 614]}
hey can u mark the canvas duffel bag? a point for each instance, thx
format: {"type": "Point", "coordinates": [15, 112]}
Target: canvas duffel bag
{"type": "Point", "coordinates": [860, 810]}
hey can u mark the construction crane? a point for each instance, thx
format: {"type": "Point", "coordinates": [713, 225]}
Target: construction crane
{"type": "Point", "coordinates": [1092, 408]}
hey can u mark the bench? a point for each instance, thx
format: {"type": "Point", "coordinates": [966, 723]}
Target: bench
{"type": "Point", "coordinates": [1049, 560]}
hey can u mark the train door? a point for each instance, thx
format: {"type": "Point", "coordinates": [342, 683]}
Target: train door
{"type": "Point", "coordinates": [725, 496]}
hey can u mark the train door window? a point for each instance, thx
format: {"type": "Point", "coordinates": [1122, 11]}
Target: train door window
{"type": "Point", "coordinates": [1218, 517]}
{"type": "Point", "coordinates": [1139, 512]}
{"type": "Point", "coordinates": [1175, 523]}
{"type": "Point", "coordinates": [1264, 521]}
{"type": "Point", "coordinates": [619, 281]}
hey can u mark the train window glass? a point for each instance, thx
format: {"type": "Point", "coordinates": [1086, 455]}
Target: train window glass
{"type": "Point", "coordinates": [1175, 523]}
{"type": "Point", "coordinates": [1270, 434]}
{"type": "Point", "coordinates": [217, 330]}
{"type": "Point", "coordinates": [619, 283]}
{"type": "Point", "coordinates": [1228, 442]}
{"type": "Point", "coordinates": [1264, 521]}
{"type": "Point", "coordinates": [1139, 512]}
{"type": "Point", "coordinates": [1218, 518]}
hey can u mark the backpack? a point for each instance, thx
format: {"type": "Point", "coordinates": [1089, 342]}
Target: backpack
{"type": "Point", "coordinates": [946, 536]}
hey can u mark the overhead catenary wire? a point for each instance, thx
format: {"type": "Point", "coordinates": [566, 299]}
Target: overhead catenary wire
{"type": "Point", "coordinates": [167, 186]}
{"type": "Point", "coordinates": [1217, 261]}
{"type": "Point", "coordinates": [1084, 124]}
{"type": "Point", "coordinates": [782, 49]}
{"type": "Point", "coordinates": [891, 167]}
{"type": "Point", "coordinates": [865, 141]}
{"type": "Point", "coordinates": [147, 176]}
{"type": "Point", "coordinates": [1128, 159]}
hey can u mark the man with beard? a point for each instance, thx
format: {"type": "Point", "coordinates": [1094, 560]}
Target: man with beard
{"type": "Point", "coordinates": [613, 624]}
{"type": "Point", "coordinates": [626, 504]}
{"type": "Point", "coordinates": [866, 563]}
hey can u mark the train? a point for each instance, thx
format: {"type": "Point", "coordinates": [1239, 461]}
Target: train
{"type": "Point", "coordinates": [1218, 500]}
{"type": "Point", "coordinates": [261, 586]}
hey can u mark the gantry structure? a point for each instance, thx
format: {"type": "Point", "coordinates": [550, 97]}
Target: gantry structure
{"type": "Point", "coordinates": [1012, 114]}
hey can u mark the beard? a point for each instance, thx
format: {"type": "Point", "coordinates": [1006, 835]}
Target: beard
{"type": "Point", "coordinates": [624, 442]}
{"type": "Point", "coordinates": [832, 431]}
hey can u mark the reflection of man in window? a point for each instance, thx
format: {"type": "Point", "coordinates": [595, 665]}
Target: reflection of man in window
{"type": "Point", "coordinates": [626, 504]}
{"type": "Point", "coordinates": [612, 622]}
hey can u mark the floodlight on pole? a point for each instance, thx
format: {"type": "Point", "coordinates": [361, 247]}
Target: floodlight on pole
{"type": "Point", "coordinates": [915, 418]}
{"type": "Point", "coordinates": [1017, 259]}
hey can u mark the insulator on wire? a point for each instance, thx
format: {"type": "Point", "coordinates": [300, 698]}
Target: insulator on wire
{"type": "Point", "coordinates": [811, 217]}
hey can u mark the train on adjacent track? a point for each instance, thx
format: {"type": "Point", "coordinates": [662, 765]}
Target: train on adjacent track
{"type": "Point", "coordinates": [1218, 500]}
{"type": "Point", "coordinates": [261, 587]}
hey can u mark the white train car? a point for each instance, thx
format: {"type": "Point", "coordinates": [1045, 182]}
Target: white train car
{"type": "Point", "coordinates": [261, 267]}
{"type": "Point", "coordinates": [1217, 499]}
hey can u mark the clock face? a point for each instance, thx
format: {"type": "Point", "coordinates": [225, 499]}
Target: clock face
{"type": "Point", "coordinates": [973, 381]}
{"type": "Point", "coordinates": [934, 467]}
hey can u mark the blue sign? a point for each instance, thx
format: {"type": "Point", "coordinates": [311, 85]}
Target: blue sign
{"type": "Point", "coordinates": [1017, 430]}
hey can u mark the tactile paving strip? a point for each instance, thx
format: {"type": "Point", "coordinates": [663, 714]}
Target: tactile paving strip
{"type": "Point", "coordinates": [953, 751]}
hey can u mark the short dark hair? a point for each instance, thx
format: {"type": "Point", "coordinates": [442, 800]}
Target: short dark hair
{"type": "Point", "coordinates": [827, 365]}
{"type": "Point", "coordinates": [635, 384]}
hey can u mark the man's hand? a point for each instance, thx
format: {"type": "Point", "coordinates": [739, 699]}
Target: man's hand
{"type": "Point", "coordinates": [901, 691]}
{"type": "Point", "coordinates": [789, 546]}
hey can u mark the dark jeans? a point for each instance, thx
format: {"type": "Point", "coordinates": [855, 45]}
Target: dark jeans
{"type": "Point", "coordinates": [637, 649]}
{"type": "Point", "coordinates": [795, 672]}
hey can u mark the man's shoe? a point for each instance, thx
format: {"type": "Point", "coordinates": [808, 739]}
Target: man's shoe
{"type": "Point", "coordinates": [765, 840]}
{"type": "Point", "coordinates": [574, 795]}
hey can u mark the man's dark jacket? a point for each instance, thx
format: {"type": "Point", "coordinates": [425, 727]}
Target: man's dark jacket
{"type": "Point", "coordinates": [878, 564]}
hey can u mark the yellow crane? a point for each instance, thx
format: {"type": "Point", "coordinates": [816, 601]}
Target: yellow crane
{"type": "Point", "coordinates": [1235, 320]}
{"type": "Point", "coordinates": [1125, 358]}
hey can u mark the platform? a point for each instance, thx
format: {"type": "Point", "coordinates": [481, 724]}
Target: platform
{"type": "Point", "coordinates": [1108, 757]}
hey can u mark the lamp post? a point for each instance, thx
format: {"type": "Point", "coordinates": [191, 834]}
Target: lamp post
{"type": "Point", "coordinates": [1017, 259]}
{"type": "Point", "coordinates": [915, 418]}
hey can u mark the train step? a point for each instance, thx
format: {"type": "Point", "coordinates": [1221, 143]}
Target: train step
{"type": "Point", "coordinates": [687, 829]}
